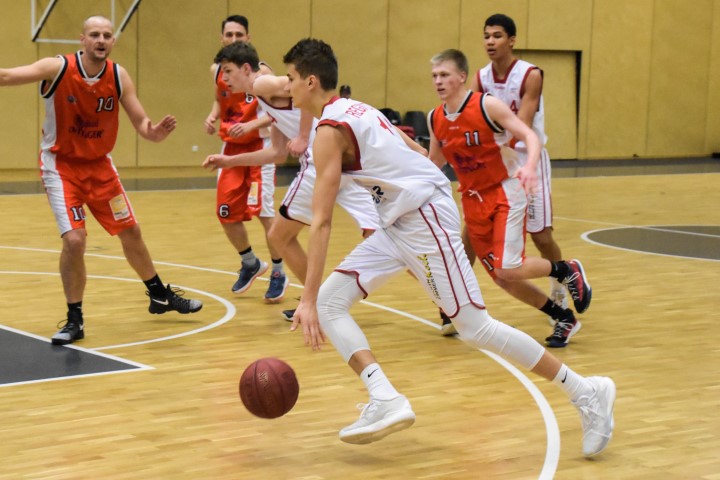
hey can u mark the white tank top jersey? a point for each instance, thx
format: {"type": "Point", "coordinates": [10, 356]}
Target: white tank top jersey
{"type": "Point", "coordinates": [287, 120]}
{"type": "Point", "coordinates": [399, 179]}
{"type": "Point", "coordinates": [510, 90]}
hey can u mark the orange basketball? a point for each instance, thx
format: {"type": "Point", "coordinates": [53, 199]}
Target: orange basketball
{"type": "Point", "coordinates": [269, 388]}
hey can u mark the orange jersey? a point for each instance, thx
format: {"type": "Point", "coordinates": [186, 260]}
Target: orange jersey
{"type": "Point", "coordinates": [467, 140]}
{"type": "Point", "coordinates": [81, 112]}
{"type": "Point", "coordinates": [236, 108]}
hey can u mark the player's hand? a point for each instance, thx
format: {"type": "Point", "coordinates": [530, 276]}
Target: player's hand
{"type": "Point", "coordinates": [240, 129]}
{"type": "Point", "coordinates": [162, 129]}
{"type": "Point", "coordinates": [306, 315]}
{"type": "Point", "coordinates": [215, 161]}
{"type": "Point", "coordinates": [297, 146]}
{"type": "Point", "coordinates": [528, 179]}
{"type": "Point", "coordinates": [210, 124]}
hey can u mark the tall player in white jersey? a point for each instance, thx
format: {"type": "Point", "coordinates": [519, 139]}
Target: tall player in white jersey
{"type": "Point", "coordinates": [239, 63]}
{"type": "Point", "coordinates": [519, 84]}
{"type": "Point", "coordinates": [419, 231]}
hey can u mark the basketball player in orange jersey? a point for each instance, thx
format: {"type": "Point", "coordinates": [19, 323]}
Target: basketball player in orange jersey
{"type": "Point", "coordinates": [519, 84]}
{"type": "Point", "coordinates": [83, 93]}
{"type": "Point", "coordinates": [244, 192]}
{"type": "Point", "coordinates": [242, 72]}
{"type": "Point", "coordinates": [419, 231]}
{"type": "Point", "coordinates": [494, 203]}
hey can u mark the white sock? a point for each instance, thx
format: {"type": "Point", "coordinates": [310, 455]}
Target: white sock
{"type": "Point", "coordinates": [574, 385]}
{"type": "Point", "coordinates": [377, 383]}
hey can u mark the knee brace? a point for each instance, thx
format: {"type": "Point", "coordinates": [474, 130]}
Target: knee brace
{"type": "Point", "coordinates": [477, 328]}
{"type": "Point", "coordinates": [336, 296]}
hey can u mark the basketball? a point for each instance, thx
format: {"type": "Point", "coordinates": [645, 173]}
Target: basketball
{"type": "Point", "coordinates": [269, 388]}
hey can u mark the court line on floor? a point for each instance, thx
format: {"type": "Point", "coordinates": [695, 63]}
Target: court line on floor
{"type": "Point", "coordinates": [230, 309]}
{"type": "Point", "coordinates": [552, 453]}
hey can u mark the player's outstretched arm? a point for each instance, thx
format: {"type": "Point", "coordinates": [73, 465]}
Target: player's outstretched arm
{"type": "Point", "coordinates": [270, 86]}
{"type": "Point", "coordinates": [136, 113]}
{"type": "Point", "coordinates": [275, 153]}
{"type": "Point", "coordinates": [44, 69]}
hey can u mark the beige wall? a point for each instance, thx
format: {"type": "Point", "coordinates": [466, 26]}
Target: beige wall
{"type": "Point", "coordinates": [649, 84]}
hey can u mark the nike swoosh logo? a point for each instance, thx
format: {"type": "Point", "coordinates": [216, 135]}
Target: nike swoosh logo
{"type": "Point", "coordinates": [166, 302]}
{"type": "Point", "coordinates": [563, 380]}
{"type": "Point", "coordinates": [371, 373]}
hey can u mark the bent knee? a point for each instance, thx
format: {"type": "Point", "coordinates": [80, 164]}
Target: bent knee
{"type": "Point", "coordinates": [504, 275]}
{"type": "Point", "coordinates": [471, 321]}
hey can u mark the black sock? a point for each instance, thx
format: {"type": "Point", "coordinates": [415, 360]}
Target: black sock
{"type": "Point", "coordinates": [155, 287]}
{"type": "Point", "coordinates": [75, 307]}
{"type": "Point", "coordinates": [556, 312]}
{"type": "Point", "coordinates": [559, 270]}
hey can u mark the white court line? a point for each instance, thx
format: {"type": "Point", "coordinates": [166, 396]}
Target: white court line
{"type": "Point", "coordinates": [586, 236]}
{"type": "Point", "coordinates": [644, 227]}
{"type": "Point", "coordinates": [229, 309]}
{"type": "Point", "coordinates": [552, 454]}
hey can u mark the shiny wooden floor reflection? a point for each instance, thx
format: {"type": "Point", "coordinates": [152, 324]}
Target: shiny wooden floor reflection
{"type": "Point", "coordinates": [653, 327]}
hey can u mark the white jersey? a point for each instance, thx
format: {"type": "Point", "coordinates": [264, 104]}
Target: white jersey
{"type": "Point", "coordinates": [297, 204]}
{"type": "Point", "coordinates": [510, 90]}
{"type": "Point", "coordinates": [287, 120]}
{"type": "Point", "coordinates": [399, 179]}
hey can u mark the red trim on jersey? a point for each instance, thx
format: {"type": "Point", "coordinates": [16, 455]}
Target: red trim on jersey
{"type": "Point", "coordinates": [289, 106]}
{"type": "Point", "coordinates": [357, 279]}
{"type": "Point", "coordinates": [444, 233]}
{"type": "Point", "coordinates": [333, 123]}
{"type": "Point", "coordinates": [332, 100]}
{"type": "Point", "coordinates": [481, 88]}
{"type": "Point", "coordinates": [507, 74]}
{"type": "Point", "coordinates": [527, 74]}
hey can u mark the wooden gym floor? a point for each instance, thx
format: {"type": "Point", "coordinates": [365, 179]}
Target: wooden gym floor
{"type": "Point", "coordinates": [164, 404]}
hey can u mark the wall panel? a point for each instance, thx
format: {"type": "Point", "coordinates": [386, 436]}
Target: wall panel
{"type": "Point", "coordinates": [679, 78]}
{"type": "Point", "coordinates": [559, 25]}
{"type": "Point", "coordinates": [643, 73]}
{"type": "Point", "coordinates": [559, 95]}
{"type": "Point", "coordinates": [619, 69]}
{"type": "Point", "coordinates": [358, 34]}
{"type": "Point", "coordinates": [176, 47]}
{"type": "Point", "coordinates": [712, 130]}
{"type": "Point", "coordinates": [274, 26]}
{"type": "Point", "coordinates": [19, 132]}
{"type": "Point", "coordinates": [418, 30]}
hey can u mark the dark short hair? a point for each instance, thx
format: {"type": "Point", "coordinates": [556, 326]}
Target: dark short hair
{"type": "Point", "coordinates": [310, 56]}
{"type": "Point", "coordinates": [239, 53]}
{"type": "Point", "coordinates": [345, 89]}
{"type": "Point", "coordinates": [241, 19]}
{"type": "Point", "coordinates": [500, 20]}
{"type": "Point", "coordinates": [455, 56]}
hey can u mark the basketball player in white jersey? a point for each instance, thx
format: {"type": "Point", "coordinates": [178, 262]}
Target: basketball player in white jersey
{"type": "Point", "coordinates": [419, 231]}
{"type": "Point", "coordinates": [243, 182]}
{"type": "Point", "coordinates": [241, 71]}
{"type": "Point", "coordinates": [519, 84]}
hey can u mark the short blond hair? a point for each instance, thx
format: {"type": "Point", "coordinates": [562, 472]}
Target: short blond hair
{"type": "Point", "coordinates": [455, 56]}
